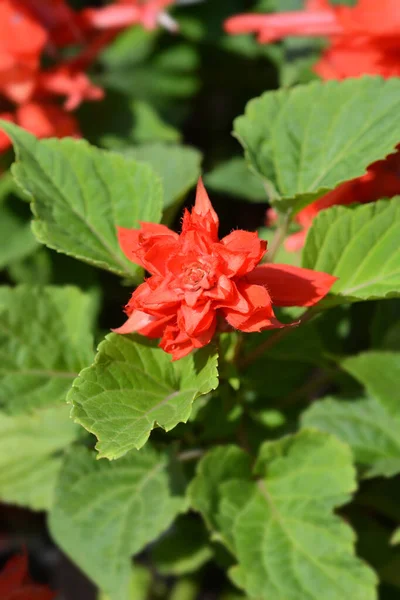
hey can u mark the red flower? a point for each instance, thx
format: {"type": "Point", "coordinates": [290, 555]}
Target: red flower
{"type": "Point", "coordinates": [381, 181]}
{"type": "Point", "coordinates": [195, 278]}
{"type": "Point", "coordinates": [22, 40]}
{"type": "Point", "coordinates": [65, 80]}
{"type": "Point", "coordinates": [15, 583]}
{"type": "Point", "coordinates": [43, 120]}
{"type": "Point", "coordinates": [125, 13]}
{"type": "Point", "coordinates": [364, 38]}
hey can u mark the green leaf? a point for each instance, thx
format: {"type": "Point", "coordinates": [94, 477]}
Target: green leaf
{"type": "Point", "coordinates": [177, 166]}
{"type": "Point", "coordinates": [45, 340]}
{"type": "Point", "coordinates": [81, 193]}
{"type": "Point", "coordinates": [282, 529]}
{"type": "Point", "coordinates": [366, 426]}
{"type": "Point", "coordinates": [359, 246]}
{"type": "Point", "coordinates": [133, 386]}
{"type": "Point", "coordinates": [234, 178]}
{"type": "Point", "coordinates": [17, 240]}
{"type": "Point", "coordinates": [105, 512]}
{"type": "Point", "coordinates": [184, 549]}
{"type": "Point", "coordinates": [30, 457]}
{"type": "Point", "coordinates": [379, 372]}
{"type": "Point", "coordinates": [307, 140]}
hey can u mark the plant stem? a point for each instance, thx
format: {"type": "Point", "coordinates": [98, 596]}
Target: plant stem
{"type": "Point", "coordinates": [279, 236]}
{"type": "Point", "coordinates": [188, 455]}
{"type": "Point", "coordinates": [276, 337]}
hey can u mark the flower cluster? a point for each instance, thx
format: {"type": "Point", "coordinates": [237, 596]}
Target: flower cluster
{"type": "Point", "coordinates": [364, 39]}
{"type": "Point", "coordinates": [198, 281]}
{"type": "Point", "coordinates": [15, 583]}
{"type": "Point", "coordinates": [32, 31]}
{"type": "Point", "coordinates": [29, 94]}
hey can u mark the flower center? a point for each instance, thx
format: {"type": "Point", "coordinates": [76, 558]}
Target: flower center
{"type": "Point", "coordinates": [197, 275]}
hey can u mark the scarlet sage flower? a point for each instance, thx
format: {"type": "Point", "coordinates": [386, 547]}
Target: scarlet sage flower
{"type": "Point", "coordinates": [197, 278]}
{"type": "Point", "coordinates": [124, 13]}
{"type": "Point", "coordinates": [22, 41]}
{"type": "Point", "coordinates": [382, 180]}
{"type": "Point", "coordinates": [15, 583]}
{"type": "Point", "coordinates": [364, 39]}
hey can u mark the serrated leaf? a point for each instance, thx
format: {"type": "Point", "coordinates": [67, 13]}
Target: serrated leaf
{"type": "Point", "coordinates": [105, 512]}
{"type": "Point", "coordinates": [45, 340]}
{"type": "Point", "coordinates": [379, 372]}
{"type": "Point", "coordinates": [359, 246]}
{"type": "Point", "coordinates": [177, 166]}
{"type": "Point", "coordinates": [365, 425]}
{"type": "Point", "coordinates": [133, 386]}
{"type": "Point", "coordinates": [306, 140]}
{"type": "Point", "coordinates": [234, 178]}
{"type": "Point", "coordinates": [81, 193]}
{"type": "Point", "coordinates": [30, 458]}
{"type": "Point", "coordinates": [288, 542]}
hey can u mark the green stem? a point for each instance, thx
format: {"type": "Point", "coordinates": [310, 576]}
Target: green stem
{"type": "Point", "coordinates": [279, 236]}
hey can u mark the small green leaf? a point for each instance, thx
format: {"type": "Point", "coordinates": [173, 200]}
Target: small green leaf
{"type": "Point", "coordinates": [234, 178]}
{"type": "Point", "coordinates": [307, 140]}
{"type": "Point", "coordinates": [359, 246]}
{"type": "Point", "coordinates": [105, 512]}
{"type": "Point", "coordinates": [133, 386]}
{"type": "Point", "coordinates": [81, 193]}
{"type": "Point", "coordinates": [45, 340]}
{"type": "Point", "coordinates": [365, 425]}
{"type": "Point", "coordinates": [177, 166]}
{"type": "Point", "coordinates": [379, 372]}
{"type": "Point", "coordinates": [30, 457]}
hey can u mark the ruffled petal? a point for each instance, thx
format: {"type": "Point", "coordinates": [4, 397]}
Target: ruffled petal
{"type": "Point", "coordinates": [176, 342]}
{"type": "Point", "coordinates": [260, 314]}
{"type": "Point", "coordinates": [197, 319]}
{"type": "Point", "coordinates": [292, 286]}
{"type": "Point", "coordinates": [241, 251]}
{"type": "Point", "coordinates": [149, 246]}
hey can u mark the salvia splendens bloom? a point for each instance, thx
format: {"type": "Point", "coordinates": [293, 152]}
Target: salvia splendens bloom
{"type": "Point", "coordinates": [124, 13]}
{"type": "Point", "coordinates": [30, 30]}
{"type": "Point", "coordinates": [198, 280]}
{"type": "Point", "coordinates": [382, 180]}
{"type": "Point", "coordinates": [364, 39]}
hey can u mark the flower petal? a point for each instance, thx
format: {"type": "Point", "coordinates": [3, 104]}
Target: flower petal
{"type": "Point", "coordinates": [244, 250]}
{"type": "Point", "coordinates": [148, 246]}
{"type": "Point", "coordinates": [203, 214]}
{"type": "Point", "coordinates": [260, 314]}
{"type": "Point", "coordinates": [292, 286]}
{"type": "Point", "coordinates": [137, 321]}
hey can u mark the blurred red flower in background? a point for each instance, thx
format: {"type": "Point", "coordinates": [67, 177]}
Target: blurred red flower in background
{"type": "Point", "coordinates": [15, 583]}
